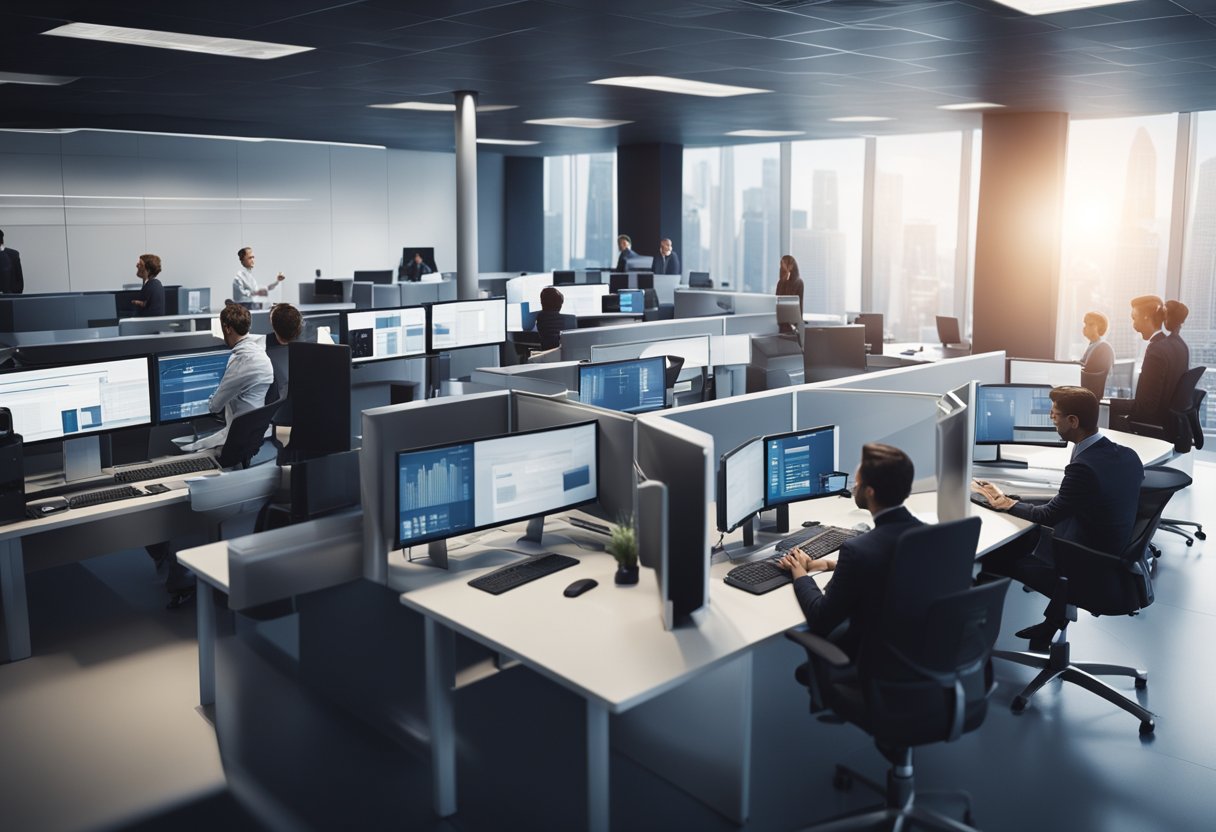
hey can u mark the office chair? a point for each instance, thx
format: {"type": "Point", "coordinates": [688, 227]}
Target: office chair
{"type": "Point", "coordinates": [246, 435]}
{"type": "Point", "coordinates": [1182, 427]}
{"type": "Point", "coordinates": [1102, 584]}
{"type": "Point", "coordinates": [1094, 383]}
{"type": "Point", "coordinates": [923, 677]}
{"type": "Point", "coordinates": [789, 317]}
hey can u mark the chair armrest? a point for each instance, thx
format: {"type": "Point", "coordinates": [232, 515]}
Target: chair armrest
{"type": "Point", "coordinates": [1145, 429]}
{"type": "Point", "coordinates": [818, 648]}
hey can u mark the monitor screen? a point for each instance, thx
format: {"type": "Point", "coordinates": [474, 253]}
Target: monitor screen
{"type": "Point", "coordinates": [700, 280]}
{"type": "Point", "coordinates": [383, 276]}
{"type": "Point", "coordinates": [643, 280]}
{"type": "Point", "coordinates": [947, 330]}
{"type": "Point", "coordinates": [328, 290]}
{"type": "Point", "coordinates": [801, 465]}
{"type": "Point", "coordinates": [740, 484]}
{"type": "Point", "coordinates": [52, 403]}
{"type": "Point", "coordinates": [379, 334]}
{"type": "Point", "coordinates": [618, 281]}
{"type": "Point", "coordinates": [1014, 414]}
{"type": "Point", "coordinates": [583, 300]}
{"type": "Point", "coordinates": [631, 386]}
{"type": "Point", "coordinates": [453, 489]}
{"type": "Point", "coordinates": [468, 323]}
{"type": "Point", "coordinates": [631, 300]}
{"type": "Point", "coordinates": [184, 383]}
{"type": "Point", "coordinates": [563, 278]}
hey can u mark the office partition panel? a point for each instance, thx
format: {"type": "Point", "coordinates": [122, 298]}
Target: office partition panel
{"type": "Point", "coordinates": [576, 344]}
{"type": "Point", "coordinates": [733, 421]}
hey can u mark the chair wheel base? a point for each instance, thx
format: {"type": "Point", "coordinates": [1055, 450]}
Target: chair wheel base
{"type": "Point", "coordinates": [1018, 704]}
{"type": "Point", "coordinates": [1190, 542]}
{"type": "Point", "coordinates": [1147, 727]}
{"type": "Point", "coordinates": [1201, 535]}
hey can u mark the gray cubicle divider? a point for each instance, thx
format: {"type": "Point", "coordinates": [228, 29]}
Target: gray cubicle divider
{"type": "Point", "coordinates": [933, 377]}
{"type": "Point", "coordinates": [431, 291]}
{"type": "Point", "coordinates": [386, 296]}
{"type": "Point", "coordinates": [361, 294]}
{"type": "Point", "coordinates": [293, 560]}
{"type": "Point", "coordinates": [665, 287]}
{"type": "Point", "coordinates": [546, 379]}
{"type": "Point", "coordinates": [576, 343]}
{"type": "Point", "coordinates": [617, 449]}
{"type": "Point", "coordinates": [696, 303]}
{"type": "Point", "coordinates": [733, 421]}
{"type": "Point", "coordinates": [162, 324]}
{"type": "Point", "coordinates": [48, 313]}
{"type": "Point", "coordinates": [753, 324]}
{"type": "Point", "coordinates": [91, 349]}
{"type": "Point", "coordinates": [387, 430]}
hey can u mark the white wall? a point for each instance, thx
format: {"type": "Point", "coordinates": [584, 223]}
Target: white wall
{"type": "Point", "coordinates": [81, 207]}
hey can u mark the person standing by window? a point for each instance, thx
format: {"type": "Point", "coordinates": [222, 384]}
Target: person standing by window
{"type": "Point", "coordinates": [789, 282]}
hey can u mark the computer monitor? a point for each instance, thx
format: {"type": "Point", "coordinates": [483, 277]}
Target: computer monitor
{"type": "Point", "coordinates": [184, 383]}
{"type": "Point", "coordinates": [328, 291]}
{"type": "Point", "coordinates": [948, 331]}
{"type": "Point", "coordinates": [427, 252]}
{"type": "Point", "coordinates": [1014, 414]}
{"type": "Point", "coordinates": [197, 300]}
{"type": "Point", "coordinates": [563, 278]}
{"type": "Point", "coordinates": [641, 280]}
{"type": "Point", "coordinates": [618, 281]}
{"type": "Point", "coordinates": [635, 385]}
{"type": "Point", "coordinates": [382, 276]}
{"type": "Point", "coordinates": [454, 489]}
{"type": "Point", "coordinates": [802, 465]}
{"type": "Point", "coordinates": [699, 280]}
{"type": "Point", "coordinates": [872, 321]}
{"type": "Point", "coordinates": [694, 349]}
{"type": "Point", "coordinates": [955, 432]}
{"type": "Point", "coordinates": [627, 300]}
{"type": "Point", "coordinates": [740, 484]}
{"type": "Point", "coordinates": [639, 263]}
{"type": "Point", "coordinates": [467, 323]}
{"type": "Point", "coordinates": [583, 299]}
{"type": "Point", "coordinates": [52, 403]}
{"type": "Point", "coordinates": [833, 352]}
{"type": "Point", "coordinates": [381, 334]}
{"type": "Point", "coordinates": [1053, 373]}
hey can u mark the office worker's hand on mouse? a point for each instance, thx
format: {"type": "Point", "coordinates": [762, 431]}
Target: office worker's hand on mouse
{"type": "Point", "coordinates": [995, 497]}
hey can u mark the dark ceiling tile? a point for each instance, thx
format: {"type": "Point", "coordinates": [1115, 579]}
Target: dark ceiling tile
{"type": "Point", "coordinates": [1163, 31]}
{"type": "Point", "coordinates": [855, 39]}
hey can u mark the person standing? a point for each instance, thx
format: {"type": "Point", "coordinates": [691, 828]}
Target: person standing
{"type": "Point", "coordinates": [668, 262]}
{"type": "Point", "coordinates": [245, 286]}
{"type": "Point", "coordinates": [12, 282]}
{"type": "Point", "coordinates": [1099, 356]}
{"type": "Point", "coordinates": [151, 300]}
{"type": "Point", "coordinates": [1159, 371]}
{"type": "Point", "coordinates": [789, 282]}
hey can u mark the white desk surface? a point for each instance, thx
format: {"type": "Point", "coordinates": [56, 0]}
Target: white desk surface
{"type": "Point", "coordinates": [209, 562]}
{"type": "Point", "coordinates": [1151, 452]}
{"type": "Point", "coordinates": [609, 644]}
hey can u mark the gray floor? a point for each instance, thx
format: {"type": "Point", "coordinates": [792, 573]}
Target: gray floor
{"type": "Point", "coordinates": [100, 730]}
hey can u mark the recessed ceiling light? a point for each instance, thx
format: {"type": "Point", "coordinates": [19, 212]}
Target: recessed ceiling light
{"type": "Point", "coordinates": [436, 107]}
{"type": "Point", "coordinates": [859, 119]}
{"type": "Point", "coordinates": [228, 47]}
{"type": "Point", "coordinates": [588, 123]}
{"type": "Point", "coordinates": [682, 86]}
{"type": "Point", "coordinates": [1053, 6]}
{"type": "Point", "coordinates": [510, 142]}
{"type": "Point", "coordinates": [971, 105]}
{"type": "Point", "coordinates": [38, 80]}
{"type": "Point", "coordinates": [765, 134]}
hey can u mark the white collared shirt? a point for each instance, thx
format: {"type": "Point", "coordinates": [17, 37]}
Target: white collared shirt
{"type": "Point", "coordinates": [244, 286]}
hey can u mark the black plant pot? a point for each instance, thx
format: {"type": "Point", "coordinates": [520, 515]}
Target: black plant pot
{"type": "Point", "coordinates": [626, 575]}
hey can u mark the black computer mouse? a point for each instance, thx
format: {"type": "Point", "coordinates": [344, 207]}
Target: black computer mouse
{"type": "Point", "coordinates": [580, 586]}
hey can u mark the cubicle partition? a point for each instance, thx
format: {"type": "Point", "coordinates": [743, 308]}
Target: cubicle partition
{"type": "Point", "coordinates": [754, 324]}
{"type": "Point", "coordinates": [547, 379]}
{"type": "Point", "coordinates": [576, 343]}
{"type": "Point", "coordinates": [696, 303]}
{"type": "Point", "coordinates": [731, 422]}
{"type": "Point", "coordinates": [46, 313]}
{"type": "Point", "coordinates": [92, 349]}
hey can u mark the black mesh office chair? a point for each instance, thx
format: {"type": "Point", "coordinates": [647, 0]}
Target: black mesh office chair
{"type": "Point", "coordinates": [246, 435]}
{"type": "Point", "coordinates": [1102, 584]}
{"type": "Point", "coordinates": [1182, 427]}
{"type": "Point", "coordinates": [925, 677]}
{"type": "Point", "coordinates": [1094, 383]}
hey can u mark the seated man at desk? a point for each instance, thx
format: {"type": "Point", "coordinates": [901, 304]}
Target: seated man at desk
{"type": "Point", "coordinates": [1095, 506]}
{"type": "Point", "coordinates": [415, 269]}
{"type": "Point", "coordinates": [1159, 371]}
{"type": "Point", "coordinates": [882, 482]}
{"type": "Point", "coordinates": [287, 324]}
{"type": "Point", "coordinates": [549, 318]}
{"type": "Point", "coordinates": [624, 245]}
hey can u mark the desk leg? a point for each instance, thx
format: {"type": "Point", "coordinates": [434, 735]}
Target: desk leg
{"type": "Point", "coordinates": [597, 767]}
{"type": "Point", "coordinates": [205, 602]}
{"type": "Point", "coordinates": [13, 602]}
{"type": "Point", "coordinates": [440, 679]}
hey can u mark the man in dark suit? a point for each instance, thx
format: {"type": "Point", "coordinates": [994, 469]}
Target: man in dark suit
{"type": "Point", "coordinates": [416, 268]}
{"type": "Point", "coordinates": [668, 262]}
{"type": "Point", "coordinates": [855, 594]}
{"type": "Point", "coordinates": [624, 245]}
{"type": "Point", "coordinates": [1160, 370]}
{"type": "Point", "coordinates": [1095, 506]}
{"type": "Point", "coordinates": [12, 281]}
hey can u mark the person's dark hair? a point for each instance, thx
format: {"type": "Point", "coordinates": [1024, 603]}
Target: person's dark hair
{"type": "Point", "coordinates": [626, 238]}
{"type": "Point", "coordinates": [789, 261]}
{"type": "Point", "coordinates": [286, 322]}
{"type": "Point", "coordinates": [1079, 402]}
{"type": "Point", "coordinates": [888, 471]}
{"type": "Point", "coordinates": [1175, 314]}
{"type": "Point", "coordinates": [240, 254]}
{"type": "Point", "coordinates": [551, 299]}
{"type": "Point", "coordinates": [237, 318]}
{"type": "Point", "coordinates": [151, 264]}
{"type": "Point", "coordinates": [1, 235]}
{"type": "Point", "coordinates": [1151, 305]}
{"type": "Point", "coordinates": [1099, 319]}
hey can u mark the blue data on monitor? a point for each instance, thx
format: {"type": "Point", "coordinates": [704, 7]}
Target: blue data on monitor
{"type": "Point", "coordinates": [633, 300]}
{"type": "Point", "coordinates": [800, 465]}
{"type": "Point", "coordinates": [1014, 414]}
{"type": "Point", "coordinates": [435, 489]}
{"type": "Point", "coordinates": [631, 386]}
{"type": "Point", "coordinates": [185, 383]}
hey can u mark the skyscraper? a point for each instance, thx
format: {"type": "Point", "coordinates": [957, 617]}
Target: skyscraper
{"type": "Point", "coordinates": [1137, 250]}
{"type": "Point", "coordinates": [755, 242]}
{"type": "Point", "coordinates": [724, 262]}
{"type": "Point", "coordinates": [600, 242]}
{"type": "Point", "coordinates": [825, 201]}
{"type": "Point", "coordinates": [1198, 287]}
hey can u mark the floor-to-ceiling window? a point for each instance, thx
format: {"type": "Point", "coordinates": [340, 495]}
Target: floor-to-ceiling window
{"type": "Point", "coordinates": [916, 232]}
{"type": "Point", "coordinates": [827, 182]}
{"type": "Point", "coordinates": [1198, 284]}
{"type": "Point", "coordinates": [580, 211]}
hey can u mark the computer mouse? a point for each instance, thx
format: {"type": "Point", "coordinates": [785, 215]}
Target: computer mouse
{"type": "Point", "coordinates": [862, 527]}
{"type": "Point", "coordinates": [580, 586]}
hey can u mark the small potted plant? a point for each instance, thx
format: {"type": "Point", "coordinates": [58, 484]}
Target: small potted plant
{"type": "Point", "coordinates": [624, 547]}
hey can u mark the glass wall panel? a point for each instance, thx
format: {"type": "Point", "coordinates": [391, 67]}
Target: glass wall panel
{"type": "Point", "coordinates": [827, 183]}
{"type": "Point", "coordinates": [580, 211]}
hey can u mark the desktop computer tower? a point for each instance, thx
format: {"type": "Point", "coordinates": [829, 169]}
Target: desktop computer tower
{"type": "Point", "coordinates": [12, 471]}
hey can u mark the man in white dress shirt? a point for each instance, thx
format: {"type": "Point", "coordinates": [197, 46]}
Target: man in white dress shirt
{"type": "Point", "coordinates": [245, 286]}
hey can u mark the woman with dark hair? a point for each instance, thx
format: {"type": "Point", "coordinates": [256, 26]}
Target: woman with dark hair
{"type": "Point", "coordinates": [549, 318]}
{"type": "Point", "coordinates": [789, 282]}
{"type": "Point", "coordinates": [1175, 316]}
{"type": "Point", "coordinates": [151, 300]}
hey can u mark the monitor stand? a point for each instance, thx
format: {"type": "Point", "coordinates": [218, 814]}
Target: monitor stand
{"type": "Point", "coordinates": [782, 524]}
{"type": "Point", "coordinates": [535, 535]}
{"type": "Point", "coordinates": [996, 461]}
{"type": "Point", "coordinates": [81, 458]}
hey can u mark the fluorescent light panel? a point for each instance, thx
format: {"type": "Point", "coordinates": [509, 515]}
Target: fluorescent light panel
{"type": "Point", "coordinates": [37, 80]}
{"type": "Point", "coordinates": [228, 47]}
{"type": "Point", "coordinates": [66, 130]}
{"type": "Point", "coordinates": [765, 134]}
{"type": "Point", "coordinates": [859, 119]}
{"type": "Point", "coordinates": [1055, 6]}
{"type": "Point", "coordinates": [587, 123]}
{"type": "Point", "coordinates": [971, 105]}
{"type": "Point", "coordinates": [680, 86]}
{"type": "Point", "coordinates": [508, 142]}
{"type": "Point", "coordinates": [436, 107]}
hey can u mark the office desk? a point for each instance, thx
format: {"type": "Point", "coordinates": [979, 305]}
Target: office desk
{"type": "Point", "coordinates": [1151, 452]}
{"type": "Point", "coordinates": [608, 319]}
{"type": "Point", "coordinates": [209, 564]}
{"type": "Point", "coordinates": [609, 647]}
{"type": "Point", "coordinates": [78, 534]}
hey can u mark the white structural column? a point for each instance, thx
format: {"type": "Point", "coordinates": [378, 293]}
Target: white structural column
{"type": "Point", "coordinates": [466, 195]}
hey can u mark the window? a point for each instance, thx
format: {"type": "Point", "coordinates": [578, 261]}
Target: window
{"type": "Point", "coordinates": [826, 198]}
{"type": "Point", "coordinates": [1198, 288]}
{"type": "Point", "coordinates": [580, 211]}
{"type": "Point", "coordinates": [916, 199]}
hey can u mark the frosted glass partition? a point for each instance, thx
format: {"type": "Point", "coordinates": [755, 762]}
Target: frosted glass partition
{"type": "Point", "coordinates": [576, 343]}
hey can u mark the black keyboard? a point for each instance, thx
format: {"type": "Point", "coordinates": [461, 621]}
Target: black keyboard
{"type": "Point", "coordinates": [109, 495]}
{"type": "Point", "coordinates": [765, 575]}
{"type": "Point", "coordinates": [165, 470]}
{"type": "Point", "coordinates": [517, 574]}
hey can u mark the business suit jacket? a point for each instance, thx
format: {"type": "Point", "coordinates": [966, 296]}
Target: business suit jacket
{"type": "Point", "coordinates": [12, 281]}
{"type": "Point", "coordinates": [1096, 503]}
{"type": "Point", "coordinates": [622, 262]}
{"type": "Point", "coordinates": [667, 265]}
{"type": "Point", "coordinates": [1099, 357]}
{"type": "Point", "coordinates": [1182, 352]}
{"type": "Point", "coordinates": [858, 586]}
{"type": "Point", "coordinates": [1163, 365]}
